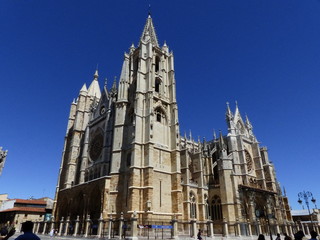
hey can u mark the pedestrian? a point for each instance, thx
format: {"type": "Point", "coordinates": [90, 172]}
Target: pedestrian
{"type": "Point", "coordinates": [286, 237]}
{"type": "Point", "coordinates": [51, 233]}
{"type": "Point", "coordinates": [278, 236]}
{"type": "Point", "coordinates": [314, 235]}
{"type": "Point", "coordinates": [27, 232]}
{"type": "Point", "coordinates": [261, 237]}
{"type": "Point", "coordinates": [6, 234]}
{"type": "Point", "coordinates": [298, 235]}
{"type": "Point", "coordinates": [199, 235]}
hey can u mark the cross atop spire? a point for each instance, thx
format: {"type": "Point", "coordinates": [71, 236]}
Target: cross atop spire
{"type": "Point", "coordinates": [149, 33]}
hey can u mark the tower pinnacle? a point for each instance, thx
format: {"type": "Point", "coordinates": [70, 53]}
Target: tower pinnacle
{"type": "Point", "coordinates": [149, 32]}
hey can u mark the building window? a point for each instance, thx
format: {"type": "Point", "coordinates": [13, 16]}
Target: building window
{"type": "Point", "coordinates": [157, 85]}
{"type": "Point", "coordinates": [159, 114]}
{"type": "Point", "coordinates": [216, 210]}
{"type": "Point", "coordinates": [158, 117]}
{"type": "Point", "coordinates": [129, 159]}
{"type": "Point", "coordinates": [193, 206]}
{"type": "Point", "coordinates": [157, 67]}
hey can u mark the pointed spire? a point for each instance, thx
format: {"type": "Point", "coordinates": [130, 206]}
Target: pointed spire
{"type": "Point", "coordinates": [190, 135]}
{"type": "Point", "coordinates": [149, 32]}
{"type": "Point", "coordinates": [94, 88]}
{"type": "Point", "coordinates": [132, 47]}
{"type": "Point", "coordinates": [185, 135]}
{"type": "Point", "coordinates": [114, 86]}
{"type": "Point", "coordinates": [96, 75]}
{"type": "Point", "coordinates": [214, 135]}
{"type": "Point", "coordinates": [84, 88]}
{"type": "Point", "coordinates": [248, 123]}
{"type": "Point", "coordinates": [105, 82]}
{"type": "Point", "coordinates": [165, 47]}
{"type": "Point", "coordinates": [229, 115]}
{"type": "Point", "coordinates": [221, 141]}
{"type": "Point", "coordinates": [237, 109]}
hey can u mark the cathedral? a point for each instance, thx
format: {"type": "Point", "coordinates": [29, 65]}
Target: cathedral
{"type": "Point", "coordinates": [125, 163]}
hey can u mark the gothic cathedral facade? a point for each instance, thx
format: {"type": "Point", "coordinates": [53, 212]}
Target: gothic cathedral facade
{"type": "Point", "coordinates": [124, 154]}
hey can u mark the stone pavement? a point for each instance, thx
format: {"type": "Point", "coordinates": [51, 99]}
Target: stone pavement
{"type": "Point", "coordinates": [47, 237]}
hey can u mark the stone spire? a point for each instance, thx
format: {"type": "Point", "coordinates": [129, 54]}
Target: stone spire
{"type": "Point", "coordinates": [221, 141]}
{"type": "Point", "coordinates": [248, 123]}
{"type": "Point", "coordinates": [237, 112]}
{"type": "Point", "coordinates": [114, 86]}
{"type": "Point", "coordinates": [94, 88]}
{"type": "Point", "coordinates": [84, 89]}
{"type": "Point", "coordinates": [229, 115]}
{"type": "Point", "coordinates": [149, 32]}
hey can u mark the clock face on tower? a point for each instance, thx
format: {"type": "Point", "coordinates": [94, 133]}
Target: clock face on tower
{"type": "Point", "coordinates": [96, 147]}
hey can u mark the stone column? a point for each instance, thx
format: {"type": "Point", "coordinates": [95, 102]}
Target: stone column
{"type": "Point", "coordinates": [307, 229]}
{"type": "Point", "coordinates": [134, 227]}
{"type": "Point", "coordinates": [210, 228]}
{"type": "Point", "coordinates": [88, 220]}
{"type": "Point", "coordinates": [121, 220]}
{"type": "Point", "coordinates": [38, 227]}
{"type": "Point", "coordinates": [194, 228]}
{"type": "Point", "coordinates": [225, 228]}
{"type": "Point", "coordinates": [76, 227]}
{"type": "Point", "coordinates": [278, 228]}
{"type": "Point", "coordinates": [52, 223]}
{"type": "Point", "coordinates": [259, 227]}
{"type": "Point", "coordinates": [100, 226]}
{"type": "Point", "coordinates": [109, 226]}
{"type": "Point", "coordinates": [67, 226]}
{"type": "Point", "coordinates": [35, 226]}
{"type": "Point", "coordinates": [44, 227]}
{"type": "Point", "coordinates": [285, 227]}
{"type": "Point", "coordinates": [61, 226]}
{"type": "Point", "coordinates": [290, 233]}
{"type": "Point", "coordinates": [302, 227]}
{"type": "Point", "coordinates": [238, 233]}
{"type": "Point", "coordinates": [174, 232]}
{"type": "Point", "coordinates": [249, 228]}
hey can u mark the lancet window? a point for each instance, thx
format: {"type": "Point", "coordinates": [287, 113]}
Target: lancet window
{"type": "Point", "coordinates": [216, 209]}
{"type": "Point", "coordinates": [193, 206]}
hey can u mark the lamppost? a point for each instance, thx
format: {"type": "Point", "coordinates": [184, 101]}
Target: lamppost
{"type": "Point", "coordinates": [306, 195]}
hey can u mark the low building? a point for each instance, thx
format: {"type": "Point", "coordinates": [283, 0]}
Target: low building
{"type": "Point", "coordinates": [306, 221]}
{"type": "Point", "coordinates": [17, 211]}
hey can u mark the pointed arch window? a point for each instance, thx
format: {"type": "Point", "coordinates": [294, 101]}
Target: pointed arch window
{"type": "Point", "coordinates": [216, 209]}
{"type": "Point", "coordinates": [160, 115]}
{"type": "Point", "coordinates": [193, 206]}
{"type": "Point", "coordinates": [157, 85]}
{"type": "Point", "coordinates": [206, 205]}
{"type": "Point", "coordinates": [157, 65]}
{"type": "Point", "coordinates": [249, 161]}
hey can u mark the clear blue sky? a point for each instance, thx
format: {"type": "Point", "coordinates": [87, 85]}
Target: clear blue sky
{"type": "Point", "coordinates": [264, 54]}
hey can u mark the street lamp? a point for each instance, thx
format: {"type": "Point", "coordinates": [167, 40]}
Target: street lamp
{"type": "Point", "coordinates": [306, 195]}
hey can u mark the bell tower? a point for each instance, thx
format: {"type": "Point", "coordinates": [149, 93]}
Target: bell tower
{"type": "Point", "coordinates": [145, 159]}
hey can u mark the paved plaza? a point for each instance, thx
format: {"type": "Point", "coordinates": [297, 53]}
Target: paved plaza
{"type": "Point", "coordinates": [47, 237]}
